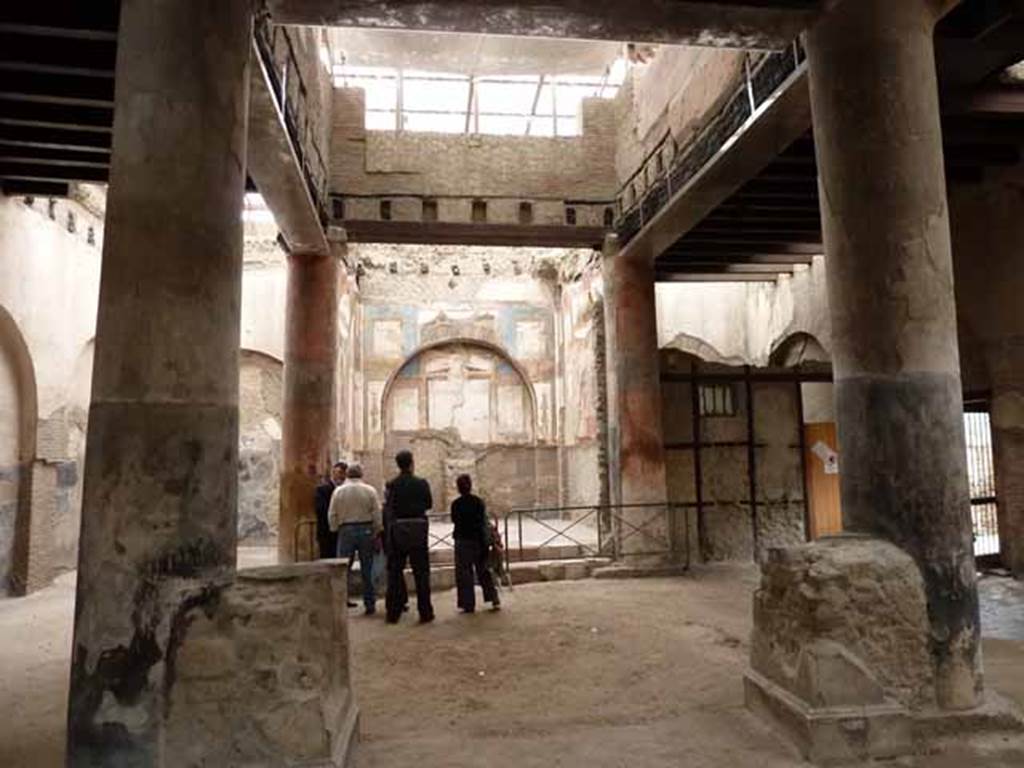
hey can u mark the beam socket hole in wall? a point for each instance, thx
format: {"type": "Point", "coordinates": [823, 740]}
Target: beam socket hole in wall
{"type": "Point", "coordinates": [570, 216]}
{"type": "Point", "coordinates": [717, 400]}
{"type": "Point", "coordinates": [479, 211]}
{"type": "Point", "coordinates": [337, 208]}
{"type": "Point", "coordinates": [429, 209]}
{"type": "Point", "coordinates": [526, 213]}
{"type": "Point", "coordinates": [609, 218]}
{"type": "Point", "coordinates": [385, 210]}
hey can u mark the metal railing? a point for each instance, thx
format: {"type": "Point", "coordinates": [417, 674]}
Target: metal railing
{"type": "Point", "coordinates": [295, 111]}
{"type": "Point", "coordinates": [763, 76]}
{"type": "Point", "coordinates": [615, 531]}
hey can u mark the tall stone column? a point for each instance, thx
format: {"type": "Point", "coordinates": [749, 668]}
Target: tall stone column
{"type": "Point", "coordinates": [988, 245]}
{"type": "Point", "coordinates": [159, 500]}
{"type": "Point", "coordinates": [636, 443]}
{"type": "Point", "coordinates": [1008, 450]}
{"type": "Point", "coordinates": [310, 398]}
{"type": "Point", "coordinates": [890, 283]}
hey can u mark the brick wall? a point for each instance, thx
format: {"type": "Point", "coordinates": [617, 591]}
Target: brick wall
{"type": "Point", "coordinates": [433, 164]}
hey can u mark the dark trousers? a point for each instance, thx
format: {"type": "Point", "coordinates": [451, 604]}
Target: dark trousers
{"type": "Point", "coordinates": [408, 542]}
{"type": "Point", "coordinates": [327, 543]}
{"type": "Point", "coordinates": [470, 566]}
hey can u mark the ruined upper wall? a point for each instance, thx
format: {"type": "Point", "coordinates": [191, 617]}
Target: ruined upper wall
{"type": "Point", "coordinates": [673, 95]}
{"type": "Point", "coordinates": [471, 165]}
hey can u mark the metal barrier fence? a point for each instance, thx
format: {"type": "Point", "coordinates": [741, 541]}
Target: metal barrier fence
{"type": "Point", "coordinates": [567, 533]}
{"type": "Point", "coordinates": [307, 528]}
{"type": "Point", "coordinates": [615, 531]}
{"type": "Point", "coordinates": [981, 478]}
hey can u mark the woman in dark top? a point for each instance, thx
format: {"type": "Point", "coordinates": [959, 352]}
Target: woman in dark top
{"type": "Point", "coordinates": [470, 518]}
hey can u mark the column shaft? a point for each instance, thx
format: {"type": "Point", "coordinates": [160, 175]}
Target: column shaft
{"type": "Point", "coordinates": [310, 397]}
{"type": "Point", "coordinates": [890, 282]}
{"type": "Point", "coordinates": [637, 450]}
{"type": "Point", "coordinates": [159, 500]}
{"type": "Point", "coordinates": [1008, 448]}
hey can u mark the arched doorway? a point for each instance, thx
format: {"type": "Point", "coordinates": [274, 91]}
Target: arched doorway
{"type": "Point", "coordinates": [18, 413]}
{"type": "Point", "coordinates": [465, 406]}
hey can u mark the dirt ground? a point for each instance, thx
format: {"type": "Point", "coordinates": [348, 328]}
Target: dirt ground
{"type": "Point", "coordinates": [592, 673]}
{"type": "Point", "coordinates": [589, 673]}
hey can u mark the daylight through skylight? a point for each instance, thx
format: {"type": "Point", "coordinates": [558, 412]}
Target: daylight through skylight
{"type": "Point", "coordinates": [528, 105]}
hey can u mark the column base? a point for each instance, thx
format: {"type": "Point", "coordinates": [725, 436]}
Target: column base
{"type": "Point", "coordinates": [850, 735]}
{"type": "Point", "coordinates": [831, 735]}
{"type": "Point", "coordinates": [263, 676]}
{"type": "Point", "coordinates": [840, 655]}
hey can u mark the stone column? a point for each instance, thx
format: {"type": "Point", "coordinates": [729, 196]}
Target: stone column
{"type": "Point", "coordinates": [1008, 450]}
{"type": "Point", "coordinates": [890, 284]}
{"type": "Point", "coordinates": [636, 444]}
{"type": "Point", "coordinates": [159, 500]}
{"type": "Point", "coordinates": [310, 399]}
{"type": "Point", "coordinates": [988, 245]}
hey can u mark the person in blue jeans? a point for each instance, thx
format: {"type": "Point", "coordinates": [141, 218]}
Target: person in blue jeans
{"type": "Point", "coordinates": [355, 513]}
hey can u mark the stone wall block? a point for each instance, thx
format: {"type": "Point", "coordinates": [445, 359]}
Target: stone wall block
{"type": "Point", "coordinates": [263, 680]}
{"type": "Point", "coordinates": [862, 595]}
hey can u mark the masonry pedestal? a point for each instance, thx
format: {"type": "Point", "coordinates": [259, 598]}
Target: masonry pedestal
{"type": "Point", "coordinates": [839, 654]}
{"type": "Point", "coordinates": [898, 393]}
{"type": "Point", "coordinates": [310, 366]}
{"type": "Point", "coordinates": [637, 451]}
{"type": "Point", "coordinates": [263, 673]}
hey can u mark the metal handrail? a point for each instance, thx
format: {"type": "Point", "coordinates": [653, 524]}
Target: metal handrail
{"type": "Point", "coordinates": [265, 35]}
{"type": "Point", "coordinates": [760, 82]}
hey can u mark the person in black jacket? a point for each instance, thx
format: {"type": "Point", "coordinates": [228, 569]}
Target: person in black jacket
{"type": "Point", "coordinates": [469, 515]}
{"type": "Point", "coordinates": [408, 501]}
{"type": "Point", "coordinates": [326, 539]}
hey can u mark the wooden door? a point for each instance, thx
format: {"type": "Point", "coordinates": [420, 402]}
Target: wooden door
{"type": "Point", "coordinates": [822, 463]}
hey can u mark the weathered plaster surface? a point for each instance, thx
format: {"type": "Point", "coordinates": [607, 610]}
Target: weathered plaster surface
{"type": "Point", "coordinates": [736, 323]}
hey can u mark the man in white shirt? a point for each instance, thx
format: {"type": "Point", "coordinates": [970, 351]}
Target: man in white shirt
{"type": "Point", "coordinates": [355, 513]}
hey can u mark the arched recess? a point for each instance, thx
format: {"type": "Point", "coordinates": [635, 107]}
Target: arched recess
{"type": "Point", "coordinates": [468, 344]}
{"type": "Point", "coordinates": [464, 405]}
{"type": "Point", "coordinates": [798, 349]}
{"type": "Point", "coordinates": [260, 403]}
{"type": "Point", "coordinates": [702, 350]}
{"type": "Point", "coordinates": [19, 414]}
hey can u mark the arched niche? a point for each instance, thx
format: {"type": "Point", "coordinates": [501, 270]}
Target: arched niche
{"type": "Point", "coordinates": [468, 388]}
{"type": "Point", "coordinates": [18, 423]}
{"type": "Point", "coordinates": [687, 345]}
{"type": "Point", "coordinates": [803, 351]}
{"type": "Point", "coordinates": [798, 349]}
{"type": "Point", "coordinates": [464, 405]}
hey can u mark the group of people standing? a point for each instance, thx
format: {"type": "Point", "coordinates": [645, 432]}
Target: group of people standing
{"type": "Point", "coordinates": [352, 522]}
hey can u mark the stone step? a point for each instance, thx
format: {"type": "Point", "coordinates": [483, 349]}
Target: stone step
{"type": "Point", "coordinates": [442, 577]}
{"type": "Point", "coordinates": [446, 555]}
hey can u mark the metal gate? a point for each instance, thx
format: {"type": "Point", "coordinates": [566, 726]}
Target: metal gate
{"type": "Point", "coordinates": [981, 477]}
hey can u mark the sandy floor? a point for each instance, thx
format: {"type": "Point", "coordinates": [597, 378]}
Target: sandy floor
{"type": "Point", "coordinates": [594, 673]}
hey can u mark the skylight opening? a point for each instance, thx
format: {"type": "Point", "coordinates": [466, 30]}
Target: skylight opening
{"type": "Point", "coordinates": [507, 105]}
